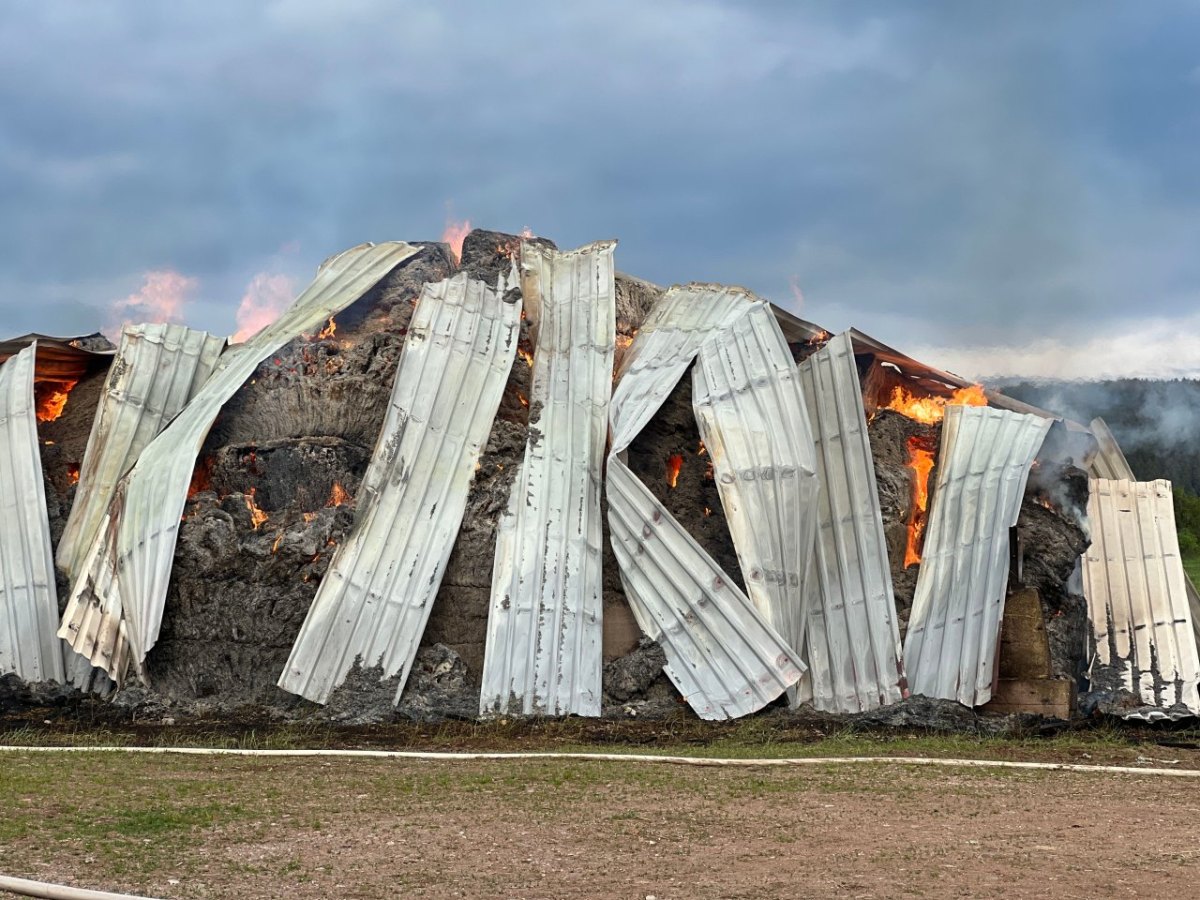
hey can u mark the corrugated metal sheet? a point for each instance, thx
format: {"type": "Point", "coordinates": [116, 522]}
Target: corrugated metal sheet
{"type": "Point", "coordinates": [724, 657]}
{"type": "Point", "coordinates": [1109, 462]}
{"type": "Point", "coordinates": [28, 597]}
{"type": "Point", "coordinates": [543, 652]}
{"type": "Point", "coordinates": [754, 422]}
{"type": "Point", "coordinates": [157, 369]}
{"type": "Point", "coordinates": [954, 630]}
{"type": "Point", "coordinates": [116, 604]}
{"type": "Point", "coordinates": [1137, 599]}
{"type": "Point", "coordinates": [375, 600]}
{"type": "Point", "coordinates": [853, 637]}
{"type": "Point", "coordinates": [60, 358]}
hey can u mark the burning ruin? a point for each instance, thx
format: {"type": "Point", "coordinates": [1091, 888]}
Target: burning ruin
{"type": "Point", "coordinates": [499, 472]}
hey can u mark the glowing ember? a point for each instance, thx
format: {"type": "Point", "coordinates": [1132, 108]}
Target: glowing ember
{"type": "Point", "coordinates": [624, 340]}
{"type": "Point", "coordinates": [309, 516]}
{"type": "Point", "coordinates": [674, 464]}
{"type": "Point", "coordinates": [338, 495]}
{"type": "Point", "coordinates": [920, 460]}
{"type": "Point", "coordinates": [328, 331]}
{"type": "Point", "coordinates": [707, 512]}
{"type": "Point", "coordinates": [525, 355]}
{"type": "Point", "coordinates": [52, 399]}
{"type": "Point", "coordinates": [931, 409]}
{"type": "Point", "coordinates": [701, 450]}
{"type": "Point", "coordinates": [454, 235]}
{"type": "Point", "coordinates": [73, 473]}
{"type": "Point", "coordinates": [278, 541]}
{"type": "Point", "coordinates": [201, 478]}
{"type": "Point", "coordinates": [524, 400]}
{"type": "Point", "coordinates": [257, 516]}
{"type": "Point", "coordinates": [708, 472]}
{"type": "Point", "coordinates": [820, 337]}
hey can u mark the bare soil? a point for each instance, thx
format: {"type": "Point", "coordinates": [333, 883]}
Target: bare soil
{"type": "Point", "coordinates": [219, 827]}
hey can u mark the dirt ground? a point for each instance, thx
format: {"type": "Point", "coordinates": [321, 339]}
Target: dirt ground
{"type": "Point", "coordinates": [312, 828]}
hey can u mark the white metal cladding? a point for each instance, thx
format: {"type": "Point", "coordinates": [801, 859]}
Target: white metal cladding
{"type": "Point", "coordinates": [28, 596]}
{"type": "Point", "coordinates": [374, 602]}
{"type": "Point", "coordinates": [853, 638]}
{"type": "Point", "coordinates": [116, 603]}
{"type": "Point", "coordinates": [1137, 599]}
{"type": "Point", "coordinates": [722, 654]}
{"type": "Point", "coordinates": [157, 369]}
{"type": "Point", "coordinates": [1109, 462]}
{"type": "Point", "coordinates": [754, 422]}
{"type": "Point", "coordinates": [543, 651]}
{"type": "Point", "coordinates": [953, 633]}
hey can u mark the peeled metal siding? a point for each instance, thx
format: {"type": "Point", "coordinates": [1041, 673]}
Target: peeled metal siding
{"type": "Point", "coordinates": [374, 602]}
{"type": "Point", "coordinates": [754, 422]}
{"type": "Point", "coordinates": [116, 603]}
{"type": "Point", "coordinates": [1109, 462]}
{"type": "Point", "coordinates": [853, 637]}
{"type": "Point", "coordinates": [157, 369]}
{"type": "Point", "coordinates": [543, 651]}
{"type": "Point", "coordinates": [954, 630]}
{"type": "Point", "coordinates": [1137, 598]}
{"type": "Point", "coordinates": [722, 654]}
{"type": "Point", "coordinates": [28, 596]}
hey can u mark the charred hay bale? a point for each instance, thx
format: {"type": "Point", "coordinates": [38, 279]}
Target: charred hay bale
{"type": "Point", "coordinates": [306, 474]}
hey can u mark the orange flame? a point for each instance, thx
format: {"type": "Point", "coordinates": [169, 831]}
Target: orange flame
{"type": "Point", "coordinates": [525, 355]}
{"type": "Point", "coordinates": [454, 234]}
{"type": "Point", "coordinates": [73, 473]}
{"type": "Point", "coordinates": [527, 232]}
{"type": "Point", "coordinates": [52, 399]}
{"type": "Point", "coordinates": [674, 464]}
{"type": "Point", "coordinates": [161, 299]}
{"type": "Point", "coordinates": [201, 478]}
{"type": "Point", "coordinates": [309, 516]}
{"type": "Point", "coordinates": [257, 516]}
{"type": "Point", "coordinates": [328, 331]}
{"type": "Point", "coordinates": [820, 337]}
{"type": "Point", "coordinates": [932, 408]}
{"type": "Point", "coordinates": [524, 400]}
{"type": "Point", "coordinates": [266, 297]}
{"type": "Point", "coordinates": [920, 460]}
{"type": "Point", "coordinates": [701, 450]}
{"type": "Point", "coordinates": [338, 495]}
{"type": "Point", "coordinates": [278, 541]}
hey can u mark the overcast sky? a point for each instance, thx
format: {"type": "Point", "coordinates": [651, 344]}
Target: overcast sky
{"type": "Point", "coordinates": [995, 187]}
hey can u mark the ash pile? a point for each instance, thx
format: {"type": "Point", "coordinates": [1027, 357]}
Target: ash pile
{"type": "Point", "coordinates": [508, 480]}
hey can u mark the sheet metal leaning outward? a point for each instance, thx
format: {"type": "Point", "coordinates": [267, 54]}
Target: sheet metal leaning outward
{"type": "Point", "coordinates": [754, 422]}
{"type": "Point", "coordinates": [157, 369]}
{"type": "Point", "coordinates": [722, 654]}
{"type": "Point", "coordinates": [28, 597]}
{"type": "Point", "coordinates": [116, 604]}
{"type": "Point", "coordinates": [1137, 601]}
{"type": "Point", "coordinates": [543, 651]}
{"type": "Point", "coordinates": [853, 638]}
{"type": "Point", "coordinates": [1109, 462]}
{"type": "Point", "coordinates": [954, 629]}
{"type": "Point", "coordinates": [374, 602]}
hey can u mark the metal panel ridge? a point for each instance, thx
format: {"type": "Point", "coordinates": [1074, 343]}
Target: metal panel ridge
{"type": "Point", "coordinates": [754, 422]}
{"type": "Point", "coordinates": [1137, 597]}
{"type": "Point", "coordinates": [853, 637]}
{"type": "Point", "coordinates": [722, 654]}
{"type": "Point", "coordinates": [543, 651]}
{"type": "Point", "coordinates": [117, 601]}
{"type": "Point", "coordinates": [954, 631]}
{"type": "Point", "coordinates": [28, 596]}
{"type": "Point", "coordinates": [1109, 462]}
{"type": "Point", "coordinates": [374, 602]}
{"type": "Point", "coordinates": [157, 370]}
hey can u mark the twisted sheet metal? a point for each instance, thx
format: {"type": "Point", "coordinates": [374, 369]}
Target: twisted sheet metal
{"type": "Point", "coordinates": [59, 358]}
{"type": "Point", "coordinates": [722, 654]}
{"type": "Point", "coordinates": [853, 638]}
{"type": "Point", "coordinates": [1137, 597]}
{"type": "Point", "coordinates": [754, 422]}
{"type": "Point", "coordinates": [28, 596]}
{"type": "Point", "coordinates": [1109, 462]}
{"type": "Point", "coordinates": [374, 602]}
{"type": "Point", "coordinates": [543, 652]}
{"type": "Point", "coordinates": [116, 605]}
{"type": "Point", "coordinates": [954, 630]}
{"type": "Point", "coordinates": [157, 370]}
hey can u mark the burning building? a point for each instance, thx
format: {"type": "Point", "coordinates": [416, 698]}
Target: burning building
{"type": "Point", "coordinates": [373, 493]}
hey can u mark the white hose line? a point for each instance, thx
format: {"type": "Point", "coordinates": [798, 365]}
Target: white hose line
{"type": "Point", "coordinates": [26, 888]}
{"type": "Point", "coordinates": [435, 756]}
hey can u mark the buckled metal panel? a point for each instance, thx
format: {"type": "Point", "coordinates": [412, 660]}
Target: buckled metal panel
{"type": "Point", "coordinates": [116, 605]}
{"type": "Point", "coordinates": [28, 596]}
{"type": "Point", "coordinates": [374, 602]}
{"type": "Point", "coordinates": [724, 657]}
{"type": "Point", "coordinates": [543, 651]}
{"type": "Point", "coordinates": [1137, 597]}
{"type": "Point", "coordinates": [954, 630]}
{"type": "Point", "coordinates": [754, 422]}
{"type": "Point", "coordinates": [1109, 462]}
{"type": "Point", "coordinates": [157, 369]}
{"type": "Point", "coordinates": [853, 638]}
